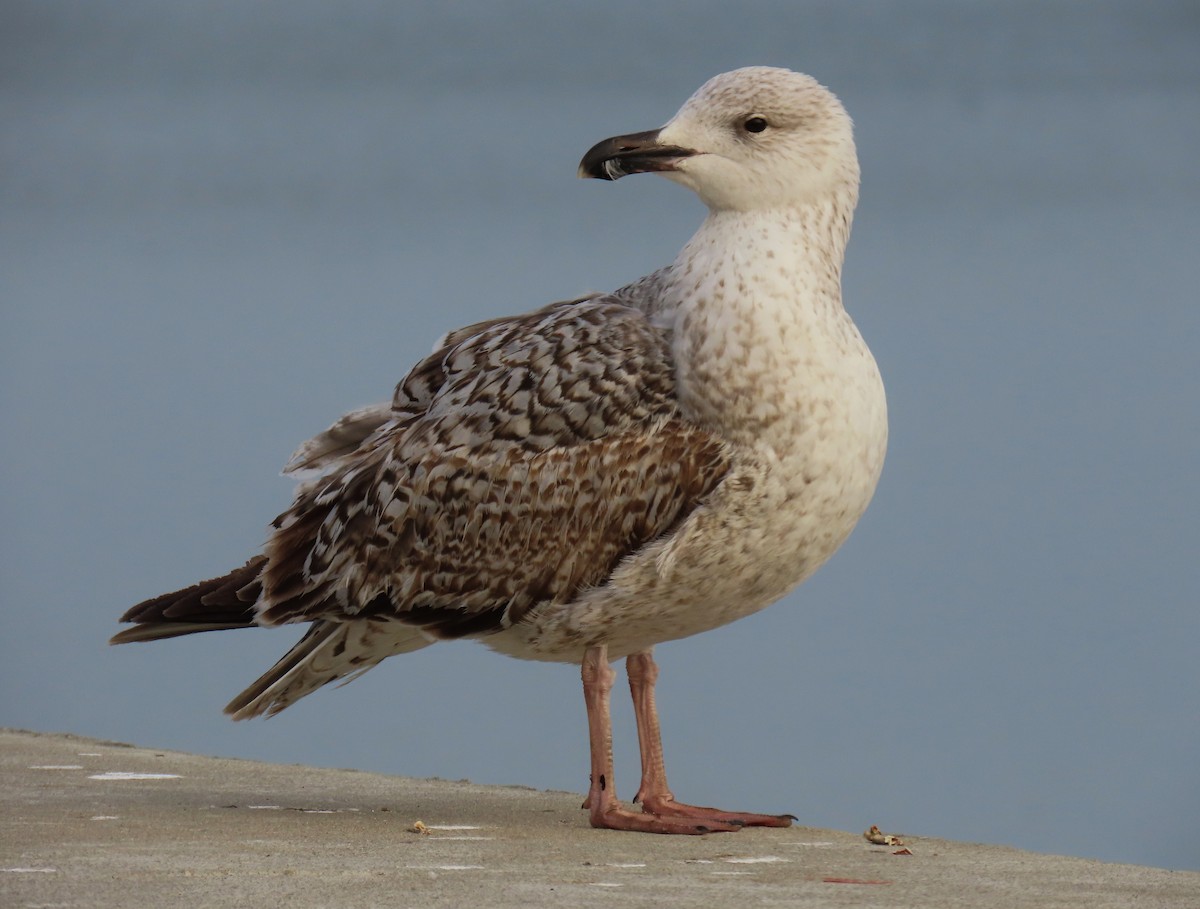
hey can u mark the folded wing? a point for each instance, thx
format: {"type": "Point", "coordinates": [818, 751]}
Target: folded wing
{"type": "Point", "coordinates": [518, 464]}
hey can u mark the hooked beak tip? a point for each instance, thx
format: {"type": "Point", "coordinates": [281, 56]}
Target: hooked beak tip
{"type": "Point", "coordinates": [636, 153]}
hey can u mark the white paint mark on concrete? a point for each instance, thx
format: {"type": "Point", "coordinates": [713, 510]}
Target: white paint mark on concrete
{"type": "Point", "coordinates": [126, 775]}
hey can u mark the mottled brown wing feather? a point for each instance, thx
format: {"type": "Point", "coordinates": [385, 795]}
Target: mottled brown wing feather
{"type": "Point", "coordinates": [551, 449]}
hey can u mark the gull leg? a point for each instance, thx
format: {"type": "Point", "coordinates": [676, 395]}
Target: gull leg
{"type": "Point", "coordinates": [654, 794]}
{"type": "Point", "coordinates": [603, 808]}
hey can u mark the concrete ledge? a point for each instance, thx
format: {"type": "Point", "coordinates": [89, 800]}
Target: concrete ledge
{"type": "Point", "coordinates": [93, 823]}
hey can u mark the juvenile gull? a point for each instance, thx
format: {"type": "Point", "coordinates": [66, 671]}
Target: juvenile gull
{"type": "Point", "coordinates": [590, 479]}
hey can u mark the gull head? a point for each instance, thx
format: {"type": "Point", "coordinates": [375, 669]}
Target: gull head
{"type": "Point", "coordinates": [754, 138]}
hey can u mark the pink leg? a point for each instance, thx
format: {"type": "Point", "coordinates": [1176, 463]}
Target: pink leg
{"type": "Point", "coordinates": [654, 794]}
{"type": "Point", "coordinates": [604, 809]}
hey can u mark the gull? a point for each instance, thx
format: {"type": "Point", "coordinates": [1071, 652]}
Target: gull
{"type": "Point", "coordinates": [590, 479]}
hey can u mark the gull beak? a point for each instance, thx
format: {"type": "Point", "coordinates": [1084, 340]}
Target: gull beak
{"type": "Point", "coordinates": [637, 153]}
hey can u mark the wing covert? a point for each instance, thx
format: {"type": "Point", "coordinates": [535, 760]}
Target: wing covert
{"type": "Point", "coordinates": [546, 448]}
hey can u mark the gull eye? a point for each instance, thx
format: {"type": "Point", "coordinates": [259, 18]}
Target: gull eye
{"type": "Point", "coordinates": [755, 124]}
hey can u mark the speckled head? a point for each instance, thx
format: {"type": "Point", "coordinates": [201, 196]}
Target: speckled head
{"type": "Point", "coordinates": [754, 138]}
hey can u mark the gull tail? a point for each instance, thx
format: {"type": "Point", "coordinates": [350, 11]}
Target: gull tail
{"type": "Point", "coordinates": [328, 652]}
{"type": "Point", "coordinates": [214, 605]}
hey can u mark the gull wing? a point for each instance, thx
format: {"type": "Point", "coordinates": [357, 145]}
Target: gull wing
{"type": "Point", "coordinates": [521, 463]}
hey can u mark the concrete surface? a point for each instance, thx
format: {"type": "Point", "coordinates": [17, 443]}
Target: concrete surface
{"type": "Point", "coordinates": [90, 823]}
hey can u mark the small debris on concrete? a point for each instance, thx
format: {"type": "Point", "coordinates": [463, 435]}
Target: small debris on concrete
{"type": "Point", "coordinates": [879, 838]}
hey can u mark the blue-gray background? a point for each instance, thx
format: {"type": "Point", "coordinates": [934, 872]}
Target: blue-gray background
{"type": "Point", "coordinates": [224, 223]}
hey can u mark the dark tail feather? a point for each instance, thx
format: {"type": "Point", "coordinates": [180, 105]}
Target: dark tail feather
{"type": "Point", "coordinates": [213, 605]}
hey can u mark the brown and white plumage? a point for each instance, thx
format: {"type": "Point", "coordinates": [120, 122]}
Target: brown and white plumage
{"type": "Point", "coordinates": [515, 466]}
{"type": "Point", "coordinates": [585, 481]}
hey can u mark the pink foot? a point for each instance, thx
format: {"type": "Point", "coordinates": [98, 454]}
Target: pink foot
{"type": "Point", "coordinates": [615, 816]}
{"type": "Point", "coordinates": [669, 808]}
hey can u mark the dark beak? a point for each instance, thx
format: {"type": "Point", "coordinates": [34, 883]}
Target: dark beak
{"type": "Point", "coordinates": [637, 153]}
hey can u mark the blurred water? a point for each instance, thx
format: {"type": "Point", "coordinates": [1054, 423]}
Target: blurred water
{"type": "Point", "coordinates": [222, 224]}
